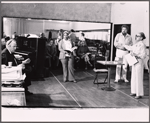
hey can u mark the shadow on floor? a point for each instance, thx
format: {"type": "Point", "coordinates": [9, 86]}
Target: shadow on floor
{"type": "Point", "coordinates": [45, 100]}
{"type": "Point", "coordinates": [38, 100]}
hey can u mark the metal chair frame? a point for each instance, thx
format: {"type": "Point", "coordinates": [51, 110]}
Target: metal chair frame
{"type": "Point", "coordinates": [98, 71]}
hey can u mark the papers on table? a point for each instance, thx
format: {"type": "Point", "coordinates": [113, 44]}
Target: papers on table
{"type": "Point", "coordinates": [12, 74]}
{"type": "Point", "coordinates": [131, 59]}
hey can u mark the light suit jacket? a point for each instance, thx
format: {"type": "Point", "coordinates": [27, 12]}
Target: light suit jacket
{"type": "Point", "coordinates": [61, 47]}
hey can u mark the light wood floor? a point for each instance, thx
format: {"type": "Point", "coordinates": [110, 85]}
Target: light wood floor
{"type": "Point", "coordinates": [53, 92]}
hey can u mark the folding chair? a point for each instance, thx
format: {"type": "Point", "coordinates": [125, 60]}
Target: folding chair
{"type": "Point", "coordinates": [98, 70]}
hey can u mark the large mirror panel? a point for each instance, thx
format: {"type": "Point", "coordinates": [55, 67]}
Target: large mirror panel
{"type": "Point", "coordinates": [27, 32]}
{"type": "Point", "coordinates": [95, 32]}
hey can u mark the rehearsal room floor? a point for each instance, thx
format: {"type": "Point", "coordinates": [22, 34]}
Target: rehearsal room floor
{"type": "Point", "coordinates": [53, 92]}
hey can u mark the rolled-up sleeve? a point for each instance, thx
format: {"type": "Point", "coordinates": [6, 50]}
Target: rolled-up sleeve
{"type": "Point", "coordinates": [116, 40]}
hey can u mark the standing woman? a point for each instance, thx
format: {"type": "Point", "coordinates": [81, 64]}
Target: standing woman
{"type": "Point", "coordinates": [67, 59]}
{"type": "Point", "coordinates": [139, 51]}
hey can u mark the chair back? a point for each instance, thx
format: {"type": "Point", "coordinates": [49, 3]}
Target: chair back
{"type": "Point", "coordinates": [97, 65]}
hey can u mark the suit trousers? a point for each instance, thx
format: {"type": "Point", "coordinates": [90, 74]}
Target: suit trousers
{"type": "Point", "coordinates": [68, 69]}
{"type": "Point", "coordinates": [137, 78]}
{"type": "Point", "coordinates": [121, 54]}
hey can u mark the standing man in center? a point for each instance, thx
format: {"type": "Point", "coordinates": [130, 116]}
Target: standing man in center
{"type": "Point", "coordinates": [122, 38]}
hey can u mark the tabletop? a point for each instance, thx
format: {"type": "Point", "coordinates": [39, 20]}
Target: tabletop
{"type": "Point", "coordinates": [13, 73]}
{"type": "Point", "coordinates": [110, 63]}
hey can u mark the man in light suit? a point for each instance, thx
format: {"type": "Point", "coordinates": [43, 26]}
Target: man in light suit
{"type": "Point", "coordinates": [121, 39]}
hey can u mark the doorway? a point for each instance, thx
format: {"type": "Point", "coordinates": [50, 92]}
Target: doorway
{"type": "Point", "coordinates": [117, 29]}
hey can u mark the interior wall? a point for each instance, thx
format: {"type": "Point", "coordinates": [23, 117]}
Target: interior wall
{"type": "Point", "coordinates": [134, 13]}
{"type": "Point", "coordinates": [37, 26]}
{"type": "Point", "coordinates": [89, 26]}
{"type": "Point", "coordinates": [33, 27]}
{"type": "Point", "coordinates": [50, 25]}
{"type": "Point", "coordinates": [64, 11]}
{"type": "Point", "coordinates": [12, 25]}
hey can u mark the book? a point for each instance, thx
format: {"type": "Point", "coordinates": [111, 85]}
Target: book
{"type": "Point", "coordinates": [71, 49]}
{"type": "Point", "coordinates": [131, 59]}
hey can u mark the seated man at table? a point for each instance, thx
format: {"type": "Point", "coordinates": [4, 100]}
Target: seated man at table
{"type": "Point", "coordinates": [7, 55]}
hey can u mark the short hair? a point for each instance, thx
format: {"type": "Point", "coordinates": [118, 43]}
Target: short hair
{"type": "Point", "coordinates": [82, 34]}
{"type": "Point", "coordinates": [125, 26]}
{"type": "Point", "coordinates": [7, 38]}
{"type": "Point", "coordinates": [72, 30]}
{"type": "Point", "coordinates": [142, 35]}
{"type": "Point", "coordinates": [66, 32]}
{"type": "Point", "coordinates": [9, 42]}
{"type": "Point", "coordinates": [61, 30]}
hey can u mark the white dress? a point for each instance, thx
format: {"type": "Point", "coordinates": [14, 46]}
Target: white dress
{"type": "Point", "coordinates": [139, 49]}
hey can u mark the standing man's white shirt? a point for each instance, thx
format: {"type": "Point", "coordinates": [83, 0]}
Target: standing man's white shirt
{"type": "Point", "coordinates": [120, 41]}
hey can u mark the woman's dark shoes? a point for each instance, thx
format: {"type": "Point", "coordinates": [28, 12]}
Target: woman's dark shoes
{"type": "Point", "coordinates": [73, 81]}
{"type": "Point", "coordinates": [138, 97]}
{"type": "Point", "coordinates": [132, 94]}
{"type": "Point", "coordinates": [65, 80]}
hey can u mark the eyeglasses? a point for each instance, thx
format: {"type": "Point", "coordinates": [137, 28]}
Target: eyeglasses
{"type": "Point", "coordinates": [137, 36]}
{"type": "Point", "coordinates": [9, 41]}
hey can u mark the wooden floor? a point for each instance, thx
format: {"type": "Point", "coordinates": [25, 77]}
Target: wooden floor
{"type": "Point", "coordinates": [53, 92]}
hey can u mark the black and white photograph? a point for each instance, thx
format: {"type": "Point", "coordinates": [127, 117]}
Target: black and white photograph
{"type": "Point", "coordinates": [74, 61]}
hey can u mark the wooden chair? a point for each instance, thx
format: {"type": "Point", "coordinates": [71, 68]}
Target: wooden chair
{"type": "Point", "coordinates": [99, 70]}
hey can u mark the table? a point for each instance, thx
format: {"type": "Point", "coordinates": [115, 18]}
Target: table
{"type": "Point", "coordinates": [109, 64]}
{"type": "Point", "coordinates": [12, 86]}
{"type": "Point", "coordinates": [13, 96]}
{"type": "Point", "coordinates": [12, 74]}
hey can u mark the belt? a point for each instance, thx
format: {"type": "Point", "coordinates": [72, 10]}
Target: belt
{"type": "Point", "coordinates": [137, 57]}
{"type": "Point", "coordinates": [122, 49]}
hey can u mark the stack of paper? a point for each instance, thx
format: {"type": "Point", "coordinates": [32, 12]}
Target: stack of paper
{"type": "Point", "coordinates": [131, 59]}
{"type": "Point", "coordinates": [12, 74]}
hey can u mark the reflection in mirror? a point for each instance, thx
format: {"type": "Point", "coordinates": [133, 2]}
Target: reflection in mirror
{"type": "Point", "coordinates": [23, 26]}
{"type": "Point", "coordinates": [32, 35]}
{"type": "Point", "coordinates": [97, 33]}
